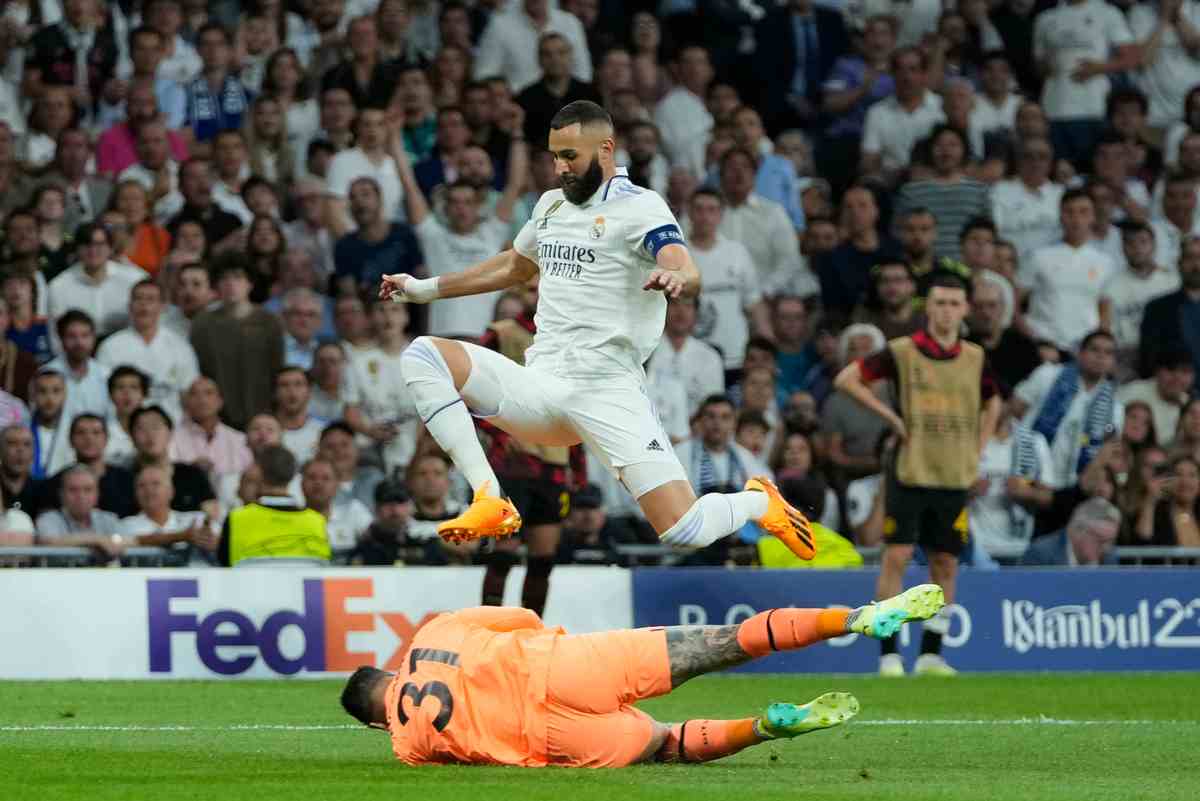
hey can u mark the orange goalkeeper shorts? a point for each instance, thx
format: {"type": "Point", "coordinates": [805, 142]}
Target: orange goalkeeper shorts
{"type": "Point", "coordinates": [594, 679]}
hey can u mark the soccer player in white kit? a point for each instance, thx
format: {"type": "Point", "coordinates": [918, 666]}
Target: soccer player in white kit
{"type": "Point", "coordinates": [608, 253]}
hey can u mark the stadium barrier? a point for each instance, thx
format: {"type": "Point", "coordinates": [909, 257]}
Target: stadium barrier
{"type": "Point", "coordinates": [262, 623]}
{"type": "Point", "coordinates": [257, 623]}
{"type": "Point", "coordinates": [1012, 619]}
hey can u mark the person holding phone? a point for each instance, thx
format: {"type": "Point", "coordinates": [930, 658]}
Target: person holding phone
{"type": "Point", "coordinates": [1170, 512]}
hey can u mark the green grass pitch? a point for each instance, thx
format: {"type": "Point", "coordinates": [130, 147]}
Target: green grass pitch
{"type": "Point", "coordinates": [1075, 737]}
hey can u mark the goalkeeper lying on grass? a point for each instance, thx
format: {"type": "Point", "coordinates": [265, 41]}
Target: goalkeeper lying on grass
{"type": "Point", "coordinates": [492, 685]}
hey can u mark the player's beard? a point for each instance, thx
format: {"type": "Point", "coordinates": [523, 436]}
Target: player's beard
{"type": "Point", "coordinates": [578, 189]}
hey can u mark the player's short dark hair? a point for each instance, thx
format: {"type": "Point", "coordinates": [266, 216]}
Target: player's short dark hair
{"type": "Point", "coordinates": [717, 399]}
{"type": "Point", "coordinates": [124, 371]}
{"type": "Point", "coordinates": [584, 112]}
{"type": "Point", "coordinates": [1092, 336]}
{"type": "Point", "coordinates": [356, 695]}
{"type": "Point", "coordinates": [947, 280]}
{"type": "Point", "coordinates": [277, 464]}
{"type": "Point", "coordinates": [70, 318]}
{"type": "Point", "coordinates": [977, 223]}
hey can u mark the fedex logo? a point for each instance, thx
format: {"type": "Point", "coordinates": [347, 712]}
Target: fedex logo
{"type": "Point", "coordinates": [229, 642]}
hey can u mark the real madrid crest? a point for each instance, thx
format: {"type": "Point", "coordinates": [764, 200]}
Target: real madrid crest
{"type": "Point", "coordinates": [597, 228]}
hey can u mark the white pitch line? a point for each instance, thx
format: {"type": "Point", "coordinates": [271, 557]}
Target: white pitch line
{"type": "Point", "coordinates": [1043, 721]}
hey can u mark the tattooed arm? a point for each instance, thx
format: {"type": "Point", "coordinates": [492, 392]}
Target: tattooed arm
{"type": "Point", "coordinates": [695, 650]}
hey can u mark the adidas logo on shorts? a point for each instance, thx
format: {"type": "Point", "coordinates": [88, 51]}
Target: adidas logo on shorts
{"type": "Point", "coordinates": [654, 446]}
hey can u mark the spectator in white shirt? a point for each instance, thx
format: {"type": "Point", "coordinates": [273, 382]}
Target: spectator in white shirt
{"type": "Point", "coordinates": [193, 293]}
{"type": "Point", "coordinates": [1077, 45]}
{"type": "Point", "coordinates": [682, 117]}
{"type": "Point", "coordinates": [894, 125]}
{"type": "Point", "coordinates": [157, 524]}
{"type": "Point", "coordinates": [1179, 219]}
{"type": "Point", "coordinates": [732, 306]}
{"type": "Point", "coordinates": [301, 431]}
{"type": "Point", "coordinates": [96, 285]}
{"type": "Point", "coordinates": [1168, 34]}
{"type": "Point", "coordinates": [762, 226]}
{"type": "Point", "coordinates": [1073, 406]}
{"type": "Point", "coordinates": [180, 62]}
{"type": "Point", "coordinates": [309, 231]}
{"type": "Point", "coordinates": [680, 354]}
{"type": "Point", "coordinates": [354, 480]}
{"type": "Point", "coordinates": [331, 383]}
{"type": "Point", "coordinates": [127, 390]}
{"type": "Point", "coordinates": [1110, 165]}
{"type": "Point", "coordinates": [345, 518]}
{"type": "Point", "coordinates": [509, 43]}
{"type": "Point", "coordinates": [714, 461]}
{"type": "Point", "coordinates": [1141, 280]}
{"type": "Point", "coordinates": [371, 158]}
{"type": "Point", "coordinates": [1025, 207]}
{"type": "Point", "coordinates": [997, 104]}
{"type": "Point", "coordinates": [467, 238]}
{"type": "Point", "coordinates": [1166, 393]}
{"type": "Point", "coordinates": [52, 449]}
{"type": "Point", "coordinates": [1065, 282]}
{"type": "Point", "coordinates": [87, 378]}
{"type": "Point", "coordinates": [1015, 482]}
{"type": "Point", "coordinates": [379, 405]}
{"type": "Point", "coordinates": [165, 356]}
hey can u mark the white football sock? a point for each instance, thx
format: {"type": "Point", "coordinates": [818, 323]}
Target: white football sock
{"type": "Point", "coordinates": [714, 516]}
{"type": "Point", "coordinates": [444, 412]}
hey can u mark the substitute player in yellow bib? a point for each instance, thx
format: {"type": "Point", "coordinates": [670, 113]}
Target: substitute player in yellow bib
{"type": "Point", "coordinates": [608, 254]}
{"type": "Point", "coordinates": [949, 406]}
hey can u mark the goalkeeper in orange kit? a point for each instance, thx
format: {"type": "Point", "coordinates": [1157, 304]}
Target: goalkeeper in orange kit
{"type": "Point", "coordinates": [493, 685]}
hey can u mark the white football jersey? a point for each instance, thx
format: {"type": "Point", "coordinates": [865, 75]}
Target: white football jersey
{"type": "Point", "coordinates": [593, 315]}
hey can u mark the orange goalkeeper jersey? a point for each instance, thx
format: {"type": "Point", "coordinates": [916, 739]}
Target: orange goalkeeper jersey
{"type": "Point", "coordinates": [472, 689]}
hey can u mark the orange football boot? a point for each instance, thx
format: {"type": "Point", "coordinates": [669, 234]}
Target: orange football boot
{"type": "Point", "coordinates": [784, 521]}
{"type": "Point", "coordinates": [487, 516]}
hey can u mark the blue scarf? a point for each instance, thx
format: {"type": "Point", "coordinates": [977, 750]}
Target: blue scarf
{"type": "Point", "coordinates": [1025, 464]}
{"type": "Point", "coordinates": [1098, 422]}
{"type": "Point", "coordinates": [706, 472]}
{"type": "Point", "coordinates": [210, 115]}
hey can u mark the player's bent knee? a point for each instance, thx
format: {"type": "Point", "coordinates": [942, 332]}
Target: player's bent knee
{"type": "Point", "coordinates": [456, 358]}
{"type": "Point", "coordinates": [666, 505]}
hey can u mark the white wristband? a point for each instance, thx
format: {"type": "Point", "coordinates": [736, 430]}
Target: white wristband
{"type": "Point", "coordinates": [419, 290]}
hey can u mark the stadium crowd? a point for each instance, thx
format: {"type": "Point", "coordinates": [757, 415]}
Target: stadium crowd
{"type": "Point", "coordinates": [199, 199]}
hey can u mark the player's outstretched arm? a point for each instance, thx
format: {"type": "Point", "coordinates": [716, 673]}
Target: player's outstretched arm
{"type": "Point", "coordinates": [501, 271]}
{"type": "Point", "coordinates": [676, 273]}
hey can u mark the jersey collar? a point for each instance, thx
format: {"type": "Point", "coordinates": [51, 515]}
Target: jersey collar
{"type": "Point", "coordinates": [622, 174]}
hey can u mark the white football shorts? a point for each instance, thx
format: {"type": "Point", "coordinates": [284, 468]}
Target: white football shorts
{"type": "Point", "coordinates": [612, 415]}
